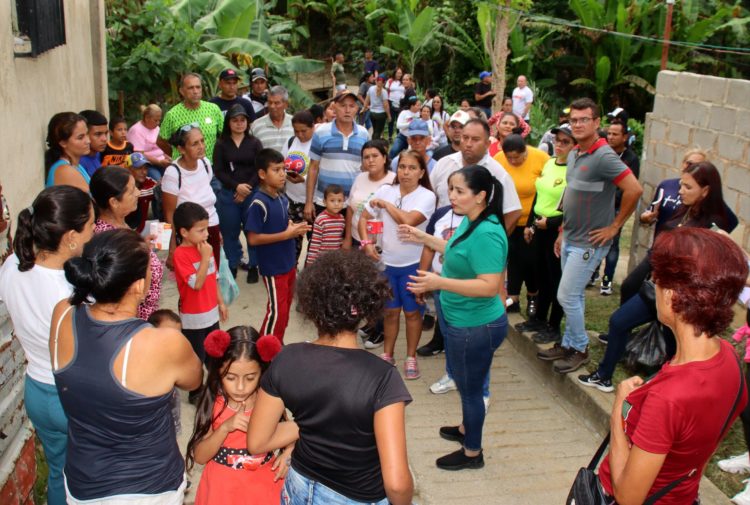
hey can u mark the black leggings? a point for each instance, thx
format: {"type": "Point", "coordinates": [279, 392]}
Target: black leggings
{"type": "Point", "coordinates": [549, 274]}
{"type": "Point", "coordinates": [632, 283]}
{"type": "Point", "coordinates": [378, 124]}
{"type": "Point", "coordinates": [522, 263]}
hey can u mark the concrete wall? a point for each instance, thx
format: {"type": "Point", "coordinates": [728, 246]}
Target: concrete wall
{"type": "Point", "coordinates": [69, 77]}
{"type": "Point", "coordinates": [703, 111]}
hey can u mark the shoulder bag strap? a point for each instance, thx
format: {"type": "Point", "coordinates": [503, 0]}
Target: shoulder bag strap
{"type": "Point", "coordinates": [599, 453]}
{"type": "Point", "coordinates": [666, 489]}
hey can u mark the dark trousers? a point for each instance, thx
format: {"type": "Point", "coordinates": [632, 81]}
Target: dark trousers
{"type": "Point", "coordinates": [231, 222]}
{"type": "Point", "coordinates": [378, 124]}
{"type": "Point", "coordinates": [631, 314]}
{"type": "Point", "coordinates": [280, 289]}
{"type": "Point", "coordinates": [610, 261]}
{"type": "Point", "coordinates": [522, 263]}
{"type": "Point", "coordinates": [395, 111]}
{"type": "Point", "coordinates": [196, 338]}
{"type": "Point", "coordinates": [549, 274]}
{"type": "Point", "coordinates": [633, 282]}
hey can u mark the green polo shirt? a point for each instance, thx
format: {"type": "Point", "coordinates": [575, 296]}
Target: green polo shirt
{"type": "Point", "coordinates": [485, 251]}
{"type": "Point", "coordinates": [207, 115]}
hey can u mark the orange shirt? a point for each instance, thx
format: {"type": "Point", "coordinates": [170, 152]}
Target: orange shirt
{"type": "Point", "coordinates": [524, 177]}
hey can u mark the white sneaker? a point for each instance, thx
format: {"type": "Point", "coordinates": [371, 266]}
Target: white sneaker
{"type": "Point", "coordinates": [736, 464]}
{"type": "Point", "coordinates": [743, 497]}
{"type": "Point", "coordinates": [486, 404]}
{"type": "Point", "coordinates": [444, 385]}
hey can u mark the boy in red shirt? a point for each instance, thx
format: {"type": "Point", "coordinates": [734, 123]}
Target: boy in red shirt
{"type": "Point", "coordinates": [138, 166]}
{"type": "Point", "coordinates": [328, 229]}
{"type": "Point", "coordinates": [201, 306]}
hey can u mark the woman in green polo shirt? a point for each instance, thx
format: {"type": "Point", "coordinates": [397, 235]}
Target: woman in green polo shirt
{"type": "Point", "coordinates": [542, 226]}
{"type": "Point", "coordinates": [473, 270]}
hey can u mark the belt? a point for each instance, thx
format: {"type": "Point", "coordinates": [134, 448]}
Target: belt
{"type": "Point", "coordinates": [241, 459]}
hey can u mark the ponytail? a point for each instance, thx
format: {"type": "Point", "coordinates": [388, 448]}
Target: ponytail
{"type": "Point", "coordinates": [41, 227]}
{"type": "Point", "coordinates": [480, 179]}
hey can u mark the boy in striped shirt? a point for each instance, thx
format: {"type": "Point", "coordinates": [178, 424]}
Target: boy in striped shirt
{"type": "Point", "coordinates": [328, 229]}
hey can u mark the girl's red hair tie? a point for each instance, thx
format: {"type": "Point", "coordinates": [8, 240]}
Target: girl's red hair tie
{"type": "Point", "coordinates": [216, 343]}
{"type": "Point", "coordinates": [268, 347]}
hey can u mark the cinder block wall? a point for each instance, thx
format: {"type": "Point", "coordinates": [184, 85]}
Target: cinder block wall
{"type": "Point", "coordinates": [703, 111]}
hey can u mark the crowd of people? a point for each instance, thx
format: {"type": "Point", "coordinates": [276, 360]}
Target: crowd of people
{"type": "Point", "coordinates": [406, 209]}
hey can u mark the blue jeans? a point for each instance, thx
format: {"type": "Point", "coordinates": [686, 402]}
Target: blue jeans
{"type": "Point", "coordinates": [399, 144]}
{"type": "Point", "coordinates": [51, 424]}
{"type": "Point", "coordinates": [578, 263]}
{"type": "Point", "coordinates": [443, 329]}
{"type": "Point", "coordinates": [299, 490]}
{"type": "Point", "coordinates": [470, 351]}
{"type": "Point", "coordinates": [631, 314]}
{"type": "Point", "coordinates": [610, 262]}
{"type": "Point", "coordinates": [231, 223]}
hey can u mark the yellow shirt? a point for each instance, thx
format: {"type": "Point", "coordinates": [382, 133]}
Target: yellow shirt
{"type": "Point", "coordinates": [524, 177]}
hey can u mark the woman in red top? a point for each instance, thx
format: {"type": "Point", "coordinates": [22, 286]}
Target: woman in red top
{"type": "Point", "coordinates": [667, 429]}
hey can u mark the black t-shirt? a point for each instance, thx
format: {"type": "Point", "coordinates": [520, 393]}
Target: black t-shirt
{"type": "Point", "coordinates": [224, 105]}
{"type": "Point", "coordinates": [480, 89]}
{"type": "Point", "coordinates": [630, 159]}
{"type": "Point", "coordinates": [333, 394]}
{"type": "Point", "coordinates": [442, 152]}
{"type": "Point", "coordinates": [236, 165]}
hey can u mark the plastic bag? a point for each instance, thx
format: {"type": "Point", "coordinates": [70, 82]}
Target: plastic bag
{"type": "Point", "coordinates": [647, 347]}
{"type": "Point", "coordinates": [228, 286]}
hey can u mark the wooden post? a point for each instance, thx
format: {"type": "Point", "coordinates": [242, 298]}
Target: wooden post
{"type": "Point", "coordinates": [667, 34]}
{"type": "Point", "coordinates": [121, 103]}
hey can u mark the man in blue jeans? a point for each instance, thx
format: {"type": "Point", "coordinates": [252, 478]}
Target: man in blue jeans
{"type": "Point", "coordinates": [594, 173]}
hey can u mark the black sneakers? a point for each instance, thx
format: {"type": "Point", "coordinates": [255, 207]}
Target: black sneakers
{"type": "Point", "coordinates": [597, 382]}
{"type": "Point", "coordinates": [431, 348]}
{"type": "Point", "coordinates": [252, 275]}
{"type": "Point", "coordinates": [452, 433]}
{"type": "Point", "coordinates": [459, 461]}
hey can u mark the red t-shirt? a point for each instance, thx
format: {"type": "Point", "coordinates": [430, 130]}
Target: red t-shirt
{"type": "Point", "coordinates": [680, 413]}
{"type": "Point", "coordinates": [198, 308]}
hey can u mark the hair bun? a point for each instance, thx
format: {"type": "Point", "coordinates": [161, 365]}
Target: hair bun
{"type": "Point", "coordinates": [268, 347]}
{"type": "Point", "coordinates": [80, 272]}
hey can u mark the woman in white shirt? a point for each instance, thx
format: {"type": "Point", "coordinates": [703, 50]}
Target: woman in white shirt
{"type": "Point", "coordinates": [32, 281]}
{"type": "Point", "coordinates": [405, 117]}
{"type": "Point", "coordinates": [396, 92]}
{"type": "Point", "coordinates": [409, 200]}
{"type": "Point", "coordinates": [380, 108]}
{"type": "Point", "coordinates": [188, 179]}
{"type": "Point", "coordinates": [441, 119]}
{"type": "Point", "coordinates": [296, 153]}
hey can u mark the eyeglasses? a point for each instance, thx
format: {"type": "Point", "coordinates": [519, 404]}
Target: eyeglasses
{"type": "Point", "coordinates": [580, 120]}
{"type": "Point", "coordinates": [189, 127]}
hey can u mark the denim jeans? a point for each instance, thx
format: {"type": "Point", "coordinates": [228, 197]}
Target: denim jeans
{"type": "Point", "coordinates": [578, 263]}
{"type": "Point", "coordinates": [231, 222]}
{"type": "Point", "coordinates": [51, 424]}
{"type": "Point", "coordinates": [399, 144]}
{"type": "Point", "coordinates": [470, 350]}
{"type": "Point", "coordinates": [630, 315]}
{"type": "Point", "coordinates": [443, 329]}
{"type": "Point", "coordinates": [299, 490]}
{"type": "Point", "coordinates": [610, 262]}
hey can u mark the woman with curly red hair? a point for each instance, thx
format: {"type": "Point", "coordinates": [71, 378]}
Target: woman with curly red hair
{"type": "Point", "coordinates": [664, 431]}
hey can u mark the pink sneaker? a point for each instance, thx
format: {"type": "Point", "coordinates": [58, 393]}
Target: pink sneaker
{"type": "Point", "coordinates": [387, 357]}
{"type": "Point", "coordinates": [411, 369]}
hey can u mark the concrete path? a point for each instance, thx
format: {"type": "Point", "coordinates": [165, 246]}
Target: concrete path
{"type": "Point", "coordinates": [533, 446]}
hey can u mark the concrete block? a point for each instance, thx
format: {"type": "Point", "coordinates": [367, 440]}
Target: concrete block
{"type": "Point", "coordinates": [695, 114]}
{"type": "Point", "coordinates": [737, 178]}
{"type": "Point", "coordinates": [704, 139]}
{"type": "Point", "coordinates": [665, 155]}
{"type": "Point", "coordinates": [669, 108]}
{"type": "Point", "coordinates": [743, 208]}
{"type": "Point", "coordinates": [723, 119]}
{"type": "Point", "coordinates": [656, 130]}
{"type": "Point", "coordinates": [743, 125]}
{"type": "Point", "coordinates": [738, 93]}
{"type": "Point", "coordinates": [687, 86]}
{"type": "Point", "coordinates": [731, 197]}
{"type": "Point", "coordinates": [732, 147]}
{"type": "Point", "coordinates": [679, 133]}
{"type": "Point", "coordinates": [713, 89]}
{"type": "Point", "coordinates": [665, 81]}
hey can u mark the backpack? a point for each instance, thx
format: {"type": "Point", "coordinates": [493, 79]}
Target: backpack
{"type": "Point", "coordinates": [179, 174]}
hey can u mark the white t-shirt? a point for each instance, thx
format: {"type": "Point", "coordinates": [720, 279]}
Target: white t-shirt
{"type": "Point", "coordinates": [195, 187]}
{"type": "Point", "coordinates": [521, 97]}
{"type": "Point", "coordinates": [377, 103]}
{"type": "Point", "coordinates": [396, 92]}
{"type": "Point", "coordinates": [31, 297]}
{"type": "Point", "coordinates": [439, 118]}
{"type": "Point", "coordinates": [363, 190]}
{"type": "Point", "coordinates": [405, 118]}
{"type": "Point", "coordinates": [297, 155]}
{"type": "Point", "coordinates": [395, 252]}
{"type": "Point", "coordinates": [449, 164]}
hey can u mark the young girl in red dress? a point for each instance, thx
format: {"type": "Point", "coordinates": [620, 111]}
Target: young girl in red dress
{"type": "Point", "coordinates": [236, 360]}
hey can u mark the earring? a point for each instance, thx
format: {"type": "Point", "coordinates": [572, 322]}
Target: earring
{"type": "Point", "coordinates": [72, 246]}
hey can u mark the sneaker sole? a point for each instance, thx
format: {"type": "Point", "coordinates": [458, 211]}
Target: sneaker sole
{"type": "Point", "coordinates": [372, 345]}
{"type": "Point", "coordinates": [569, 370]}
{"type": "Point", "coordinates": [734, 470]}
{"type": "Point", "coordinates": [427, 354]}
{"type": "Point", "coordinates": [441, 391]}
{"type": "Point", "coordinates": [413, 377]}
{"type": "Point", "coordinates": [473, 465]}
{"type": "Point", "coordinates": [550, 358]}
{"type": "Point", "coordinates": [603, 389]}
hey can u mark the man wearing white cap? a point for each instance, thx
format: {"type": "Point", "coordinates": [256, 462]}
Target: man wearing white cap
{"type": "Point", "coordinates": [454, 128]}
{"type": "Point", "coordinates": [418, 136]}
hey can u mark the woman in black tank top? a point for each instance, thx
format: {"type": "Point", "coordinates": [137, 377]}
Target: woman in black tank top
{"type": "Point", "coordinates": [115, 375]}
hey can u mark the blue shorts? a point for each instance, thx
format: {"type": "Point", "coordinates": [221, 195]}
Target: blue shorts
{"type": "Point", "coordinates": [402, 297]}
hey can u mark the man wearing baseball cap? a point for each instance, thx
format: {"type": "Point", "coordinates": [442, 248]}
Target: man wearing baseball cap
{"type": "Point", "coordinates": [483, 93]}
{"type": "Point", "coordinates": [258, 95]}
{"type": "Point", "coordinates": [418, 137]}
{"type": "Point", "coordinates": [228, 82]}
{"type": "Point", "coordinates": [454, 127]}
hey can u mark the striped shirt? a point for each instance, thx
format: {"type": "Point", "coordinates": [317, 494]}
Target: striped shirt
{"type": "Point", "coordinates": [270, 136]}
{"type": "Point", "coordinates": [327, 235]}
{"type": "Point", "coordinates": [340, 157]}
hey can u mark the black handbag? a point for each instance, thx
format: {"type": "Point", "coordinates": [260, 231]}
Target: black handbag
{"type": "Point", "coordinates": [587, 488]}
{"type": "Point", "coordinates": [647, 347]}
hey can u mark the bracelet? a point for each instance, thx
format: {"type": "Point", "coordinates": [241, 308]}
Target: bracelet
{"type": "Point", "coordinates": [364, 243]}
